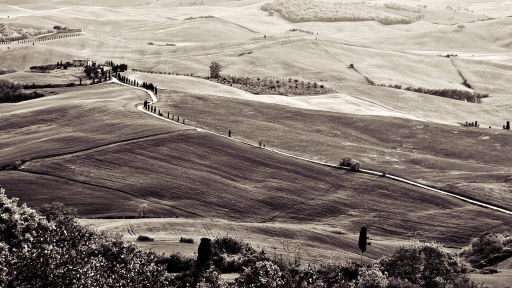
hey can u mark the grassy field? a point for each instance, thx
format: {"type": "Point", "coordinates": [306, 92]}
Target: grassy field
{"type": "Point", "coordinates": [354, 98]}
{"type": "Point", "coordinates": [58, 76]}
{"type": "Point", "coordinates": [212, 177]}
{"type": "Point", "coordinates": [383, 67]}
{"type": "Point", "coordinates": [75, 119]}
{"type": "Point", "coordinates": [438, 16]}
{"type": "Point", "coordinates": [432, 153]}
{"type": "Point", "coordinates": [487, 77]}
{"type": "Point", "coordinates": [316, 243]}
{"type": "Point", "coordinates": [485, 37]}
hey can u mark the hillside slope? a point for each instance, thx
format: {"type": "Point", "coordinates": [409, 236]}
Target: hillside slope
{"type": "Point", "coordinates": [197, 174]}
{"type": "Point", "coordinates": [486, 36]}
{"type": "Point", "coordinates": [78, 118]}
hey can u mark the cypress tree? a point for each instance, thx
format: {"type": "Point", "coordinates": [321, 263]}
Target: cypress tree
{"type": "Point", "coordinates": [204, 254]}
{"type": "Point", "coordinates": [363, 237]}
{"type": "Point", "coordinates": [156, 92]}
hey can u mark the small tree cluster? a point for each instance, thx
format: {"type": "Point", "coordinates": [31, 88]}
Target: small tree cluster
{"type": "Point", "coordinates": [471, 124]}
{"type": "Point", "coordinates": [301, 30]}
{"type": "Point", "coordinates": [507, 127]}
{"type": "Point", "coordinates": [488, 249]}
{"type": "Point", "coordinates": [11, 92]}
{"type": "Point", "coordinates": [274, 85]}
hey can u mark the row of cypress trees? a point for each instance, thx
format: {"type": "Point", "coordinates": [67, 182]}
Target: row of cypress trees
{"type": "Point", "coordinates": [145, 85]}
{"type": "Point", "coordinates": [153, 109]}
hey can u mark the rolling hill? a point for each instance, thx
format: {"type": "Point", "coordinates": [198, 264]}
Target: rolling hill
{"type": "Point", "coordinates": [75, 119]}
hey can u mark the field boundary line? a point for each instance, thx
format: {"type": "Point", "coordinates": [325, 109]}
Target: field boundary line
{"type": "Point", "coordinates": [108, 188]}
{"type": "Point", "coordinates": [365, 171]}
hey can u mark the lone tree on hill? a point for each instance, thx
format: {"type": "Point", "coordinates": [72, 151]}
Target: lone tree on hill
{"type": "Point", "coordinates": [461, 27]}
{"type": "Point", "coordinates": [215, 70]}
{"type": "Point", "coordinates": [362, 242]}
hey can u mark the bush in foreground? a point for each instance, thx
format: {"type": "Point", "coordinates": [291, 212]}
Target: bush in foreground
{"type": "Point", "coordinates": [55, 251]}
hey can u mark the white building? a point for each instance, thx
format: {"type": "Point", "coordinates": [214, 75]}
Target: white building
{"type": "Point", "coordinates": [82, 62]}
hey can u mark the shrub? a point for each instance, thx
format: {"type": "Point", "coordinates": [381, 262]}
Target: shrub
{"type": "Point", "coordinates": [271, 12]}
{"type": "Point", "coordinates": [424, 264]}
{"type": "Point", "coordinates": [263, 274]}
{"type": "Point", "coordinates": [142, 238]}
{"type": "Point", "coordinates": [372, 278]}
{"type": "Point", "coordinates": [231, 246]}
{"type": "Point", "coordinates": [487, 249]}
{"type": "Point", "coordinates": [186, 240]}
{"type": "Point", "coordinates": [177, 263]}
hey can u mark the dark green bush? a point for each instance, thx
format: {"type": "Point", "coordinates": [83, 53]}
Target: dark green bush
{"type": "Point", "coordinates": [186, 240]}
{"type": "Point", "coordinates": [229, 245]}
{"type": "Point", "coordinates": [177, 263]}
{"type": "Point", "coordinates": [488, 249]}
{"type": "Point", "coordinates": [142, 238]}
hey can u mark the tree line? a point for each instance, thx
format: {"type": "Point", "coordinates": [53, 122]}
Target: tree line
{"type": "Point", "coordinates": [145, 85]}
{"type": "Point", "coordinates": [11, 92]}
{"type": "Point", "coordinates": [457, 94]}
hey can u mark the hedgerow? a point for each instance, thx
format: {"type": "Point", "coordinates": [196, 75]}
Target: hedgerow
{"type": "Point", "coordinates": [274, 85]}
{"type": "Point", "coordinates": [457, 94]}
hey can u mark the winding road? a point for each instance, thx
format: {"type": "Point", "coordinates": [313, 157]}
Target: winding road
{"type": "Point", "coordinates": [370, 172]}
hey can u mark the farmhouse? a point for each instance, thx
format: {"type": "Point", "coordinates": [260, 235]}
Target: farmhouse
{"type": "Point", "coordinates": [82, 62]}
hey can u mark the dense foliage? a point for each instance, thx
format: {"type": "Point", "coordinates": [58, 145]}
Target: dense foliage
{"type": "Point", "coordinates": [311, 10]}
{"type": "Point", "coordinates": [55, 251]}
{"type": "Point", "coordinates": [13, 33]}
{"type": "Point", "coordinates": [404, 7]}
{"type": "Point", "coordinates": [488, 249]}
{"type": "Point", "coordinates": [10, 92]}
